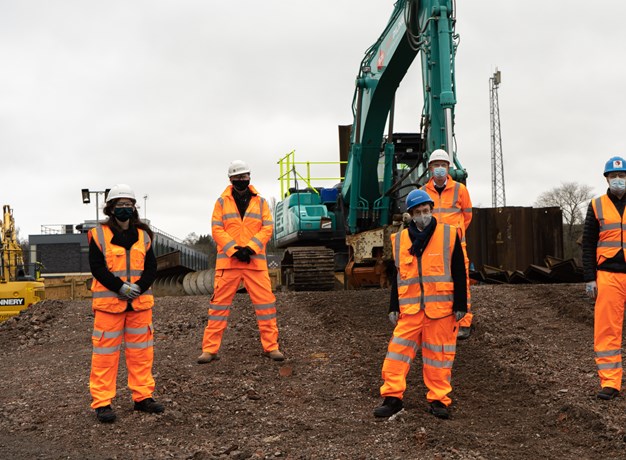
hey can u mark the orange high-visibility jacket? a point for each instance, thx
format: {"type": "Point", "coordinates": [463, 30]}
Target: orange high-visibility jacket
{"type": "Point", "coordinates": [453, 206]}
{"type": "Point", "coordinates": [230, 230]}
{"type": "Point", "coordinates": [126, 264]}
{"type": "Point", "coordinates": [426, 282]}
{"type": "Point", "coordinates": [612, 235]}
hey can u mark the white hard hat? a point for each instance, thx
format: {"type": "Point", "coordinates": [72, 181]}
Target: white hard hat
{"type": "Point", "coordinates": [439, 155]}
{"type": "Point", "coordinates": [121, 191]}
{"type": "Point", "coordinates": [238, 167]}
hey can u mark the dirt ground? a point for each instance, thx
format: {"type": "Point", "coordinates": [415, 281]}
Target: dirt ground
{"type": "Point", "coordinates": [524, 384]}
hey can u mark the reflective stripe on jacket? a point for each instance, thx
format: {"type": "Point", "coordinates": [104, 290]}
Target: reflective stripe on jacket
{"type": "Point", "coordinates": [612, 227]}
{"type": "Point", "coordinates": [230, 230]}
{"type": "Point", "coordinates": [126, 265]}
{"type": "Point", "coordinates": [453, 206]}
{"type": "Point", "coordinates": [425, 282]}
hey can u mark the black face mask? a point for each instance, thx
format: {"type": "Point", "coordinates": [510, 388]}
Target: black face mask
{"type": "Point", "coordinates": [123, 214]}
{"type": "Point", "coordinates": [241, 185]}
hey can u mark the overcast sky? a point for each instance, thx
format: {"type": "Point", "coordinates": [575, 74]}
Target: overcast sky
{"type": "Point", "coordinates": [162, 95]}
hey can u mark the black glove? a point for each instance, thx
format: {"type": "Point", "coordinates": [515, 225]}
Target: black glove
{"type": "Point", "coordinates": [243, 254]}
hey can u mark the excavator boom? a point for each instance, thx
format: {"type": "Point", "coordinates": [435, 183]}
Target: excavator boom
{"type": "Point", "coordinates": [355, 219]}
{"type": "Point", "coordinates": [17, 289]}
{"type": "Point", "coordinates": [425, 27]}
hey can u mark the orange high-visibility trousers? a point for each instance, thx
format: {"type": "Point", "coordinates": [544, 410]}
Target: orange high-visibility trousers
{"type": "Point", "coordinates": [469, 316]}
{"type": "Point", "coordinates": [607, 327]}
{"type": "Point", "coordinates": [109, 328]}
{"type": "Point", "coordinates": [259, 287]}
{"type": "Point", "coordinates": [437, 339]}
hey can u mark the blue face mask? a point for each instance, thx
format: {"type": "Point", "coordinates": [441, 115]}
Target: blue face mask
{"type": "Point", "coordinates": [617, 185]}
{"type": "Point", "coordinates": [123, 214]}
{"type": "Point", "coordinates": [440, 172]}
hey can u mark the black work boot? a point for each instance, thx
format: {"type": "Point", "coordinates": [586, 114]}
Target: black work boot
{"type": "Point", "coordinates": [464, 333]}
{"type": "Point", "coordinates": [439, 409]}
{"type": "Point", "coordinates": [607, 393]}
{"type": "Point", "coordinates": [275, 355]}
{"type": "Point", "coordinates": [105, 414]}
{"type": "Point", "coordinates": [150, 406]}
{"type": "Point", "coordinates": [391, 405]}
{"type": "Point", "coordinates": [207, 357]}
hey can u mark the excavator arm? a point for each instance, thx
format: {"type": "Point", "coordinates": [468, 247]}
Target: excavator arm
{"type": "Point", "coordinates": [12, 259]}
{"type": "Point", "coordinates": [326, 230]}
{"type": "Point", "coordinates": [415, 26]}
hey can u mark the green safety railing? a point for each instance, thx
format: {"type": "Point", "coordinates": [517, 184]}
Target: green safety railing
{"type": "Point", "coordinates": [288, 172]}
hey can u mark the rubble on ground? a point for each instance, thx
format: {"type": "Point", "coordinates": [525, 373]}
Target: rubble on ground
{"type": "Point", "coordinates": [524, 384]}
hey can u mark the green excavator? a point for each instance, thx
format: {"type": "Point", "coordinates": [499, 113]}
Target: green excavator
{"type": "Point", "coordinates": [347, 227]}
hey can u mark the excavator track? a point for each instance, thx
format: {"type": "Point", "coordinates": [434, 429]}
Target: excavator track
{"type": "Point", "coordinates": [308, 269]}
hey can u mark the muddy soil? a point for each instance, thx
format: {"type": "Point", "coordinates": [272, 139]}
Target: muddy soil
{"type": "Point", "coordinates": [524, 384]}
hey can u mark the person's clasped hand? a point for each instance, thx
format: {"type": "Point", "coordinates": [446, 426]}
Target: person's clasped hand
{"type": "Point", "coordinates": [135, 291]}
{"type": "Point", "coordinates": [125, 291]}
{"type": "Point", "coordinates": [243, 254]}
{"type": "Point", "coordinates": [238, 254]}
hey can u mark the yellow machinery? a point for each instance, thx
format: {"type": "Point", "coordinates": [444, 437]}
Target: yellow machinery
{"type": "Point", "coordinates": [18, 290]}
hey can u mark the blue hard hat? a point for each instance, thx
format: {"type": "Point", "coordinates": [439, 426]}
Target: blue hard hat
{"type": "Point", "coordinates": [417, 197]}
{"type": "Point", "coordinates": [615, 164]}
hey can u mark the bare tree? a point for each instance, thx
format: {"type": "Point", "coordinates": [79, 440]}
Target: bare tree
{"type": "Point", "coordinates": [271, 201]}
{"type": "Point", "coordinates": [191, 239]}
{"type": "Point", "coordinates": [203, 243]}
{"type": "Point", "coordinates": [573, 199]}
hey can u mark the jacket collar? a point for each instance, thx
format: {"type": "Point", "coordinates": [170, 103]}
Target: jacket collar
{"type": "Point", "coordinates": [227, 193]}
{"type": "Point", "coordinates": [449, 182]}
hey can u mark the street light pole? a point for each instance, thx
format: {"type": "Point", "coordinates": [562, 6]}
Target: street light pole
{"type": "Point", "coordinates": [145, 206]}
{"type": "Point", "coordinates": [87, 199]}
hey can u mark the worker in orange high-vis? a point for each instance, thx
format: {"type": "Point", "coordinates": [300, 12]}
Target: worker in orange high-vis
{"type": "Point", "coordinates": [432, 298]}
{"type": "Point", "coordinates": [604, 241]}
{"type": "Point", "coordinates": [241, 226]}
{"type": "Point", "coordinates": [123, 266]}
{"type": "Point", "coordinates": [453, 206]}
